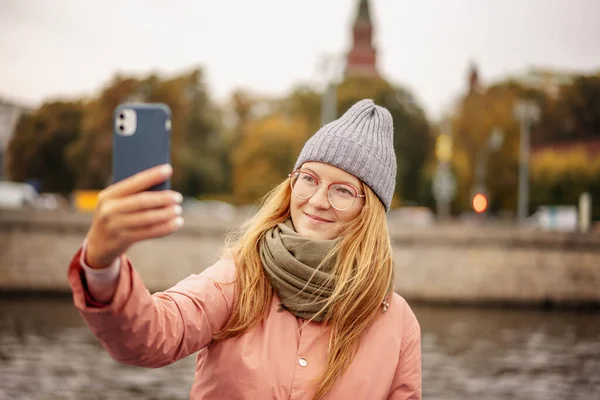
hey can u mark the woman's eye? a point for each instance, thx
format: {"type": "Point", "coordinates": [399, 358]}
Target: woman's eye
{"type": "Point", "coordinates": [344, 191]}
{"type": "Point", "coordinates": [308, 178]}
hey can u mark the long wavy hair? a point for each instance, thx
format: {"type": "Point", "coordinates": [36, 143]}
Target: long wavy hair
{"type": "Point", "coordinates": [363, 267]}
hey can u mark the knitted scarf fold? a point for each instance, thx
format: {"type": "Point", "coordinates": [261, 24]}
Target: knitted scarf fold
{"type": "Point", "coordinates": [290, 261]}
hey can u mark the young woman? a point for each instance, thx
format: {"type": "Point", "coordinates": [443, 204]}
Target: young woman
{"type": "Point", "coordinates": [302, 304]}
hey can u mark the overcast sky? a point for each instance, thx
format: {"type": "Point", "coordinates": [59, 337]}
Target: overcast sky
{"type": "Point", "coordinates": [51, 48]}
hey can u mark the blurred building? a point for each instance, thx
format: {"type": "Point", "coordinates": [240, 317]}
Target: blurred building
{"type": "Point", "coordinates": [9, 115]}
{"type": "Point", "coordinates": [591, 147]}
{"type": "Point", "coordinates": [546, 80]}
{"type": "Point", "coordinates": [550, 81]}
{"type": "Point", "coordinates": [362, 58]}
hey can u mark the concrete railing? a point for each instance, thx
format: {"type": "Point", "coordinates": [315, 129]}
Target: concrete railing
{"type": "Point", "coordinates": [443, 264]}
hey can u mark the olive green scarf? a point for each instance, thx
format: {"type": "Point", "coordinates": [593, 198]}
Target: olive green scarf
{"type": "Point", "coordinates": [290, 261]}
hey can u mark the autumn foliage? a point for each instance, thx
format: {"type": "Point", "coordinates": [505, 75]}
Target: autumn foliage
{"type": "Point", "coordinates": [241, 149]}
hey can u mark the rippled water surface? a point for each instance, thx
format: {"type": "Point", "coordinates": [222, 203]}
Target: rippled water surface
{"type": "Point", "coordinates": [47, 353]}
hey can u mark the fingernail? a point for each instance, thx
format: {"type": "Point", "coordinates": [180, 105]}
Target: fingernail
{"type": "Point", "coordinates": [166, 169]}
{"type": "Point", "coordinates": [179, 222]}
{"type": "Point", "coordinates": [178, 210]}
{"type": "Point", "coordinates": [178, 198]}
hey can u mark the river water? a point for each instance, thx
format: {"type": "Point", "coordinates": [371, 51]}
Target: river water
{"type": "Point", "coordinates": [468, 353]}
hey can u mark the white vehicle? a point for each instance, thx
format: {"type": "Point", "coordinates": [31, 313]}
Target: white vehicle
{"type": "Point", "coordinates": [17, 195]}
{"type": "Point", "coordinates": [555, 218]}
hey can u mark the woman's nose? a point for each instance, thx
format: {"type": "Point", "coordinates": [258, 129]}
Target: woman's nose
{"type": "Point", "coordinates": [321, 198]}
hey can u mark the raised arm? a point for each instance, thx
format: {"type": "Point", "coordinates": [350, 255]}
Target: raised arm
{"type": "Point", "coordinates": [146, 330]}
{"type": "Point", "coordinates": [127, 212]}
{"type": "Point", "coordinates": [136, 327]}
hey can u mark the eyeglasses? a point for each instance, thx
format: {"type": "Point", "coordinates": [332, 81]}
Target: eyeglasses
{"type": "Point", "coordinates": [341, 195]}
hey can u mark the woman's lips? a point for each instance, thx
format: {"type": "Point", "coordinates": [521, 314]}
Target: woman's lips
{"type": "Point", "coordinates": [316, 218]}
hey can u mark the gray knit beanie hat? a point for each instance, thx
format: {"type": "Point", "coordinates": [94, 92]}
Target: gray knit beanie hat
{"type": "Point", "coordinates": [361, 142]}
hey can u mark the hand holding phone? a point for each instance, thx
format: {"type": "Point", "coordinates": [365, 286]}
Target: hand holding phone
{"type": "Point", "coordinates": [139, 204]}
{"type": "Point", "coordinates": [127, 213]}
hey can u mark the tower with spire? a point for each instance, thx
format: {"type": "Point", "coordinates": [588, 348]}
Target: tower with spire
{"type": "Point", "coordinates": [473, 79]}
{"type": "Point", "coordinates": [361, 60]}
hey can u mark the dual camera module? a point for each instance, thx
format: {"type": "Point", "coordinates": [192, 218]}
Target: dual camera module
{"type": "Point", "coordinates": [126, 122]}
{"type": "Point", "coordinates": [121, 118]}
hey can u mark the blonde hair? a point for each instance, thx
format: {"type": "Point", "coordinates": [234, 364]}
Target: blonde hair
{"type": "Point", "coordinates": [363, 267]}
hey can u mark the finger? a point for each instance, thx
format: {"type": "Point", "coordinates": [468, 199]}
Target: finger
{"type": "Point", "coordinates": [144, 201]}
{"type": "Point", "coordinates": [154, 231]}
{"type": "Point", "coordinates": [139, 182]}
{"type": "Point", "coordinates": [146, 218]}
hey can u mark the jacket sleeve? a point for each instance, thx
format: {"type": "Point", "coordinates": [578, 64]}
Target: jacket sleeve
{"type": "Point", "coordinates": [407, 380]}
{"type": "Point", "coordinates": [153, 330]}
{"type": "Point", "coordinates": [101, 283]}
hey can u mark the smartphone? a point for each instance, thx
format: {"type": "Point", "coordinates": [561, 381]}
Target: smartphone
{"type": "Point", "coordinates": [141, 140]}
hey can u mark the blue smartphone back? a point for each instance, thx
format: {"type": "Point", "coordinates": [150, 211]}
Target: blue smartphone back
{"type": "Point", "coordinates": [141, 140]}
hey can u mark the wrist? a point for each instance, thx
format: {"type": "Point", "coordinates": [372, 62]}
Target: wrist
{"type": "Point", "coordinates": [93, 261]}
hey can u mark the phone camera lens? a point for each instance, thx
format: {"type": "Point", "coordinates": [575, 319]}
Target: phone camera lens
{"type": "Point", "coordinates": [121, 127]}
{"type": "Point", "coordinates": [122, 116]}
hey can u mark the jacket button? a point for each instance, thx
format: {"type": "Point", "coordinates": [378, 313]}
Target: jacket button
{"type": "Point", "coordinates": [303, 362]}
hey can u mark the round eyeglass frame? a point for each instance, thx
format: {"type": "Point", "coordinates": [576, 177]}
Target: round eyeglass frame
{"type": "Point", "coordinates": [298, 171]}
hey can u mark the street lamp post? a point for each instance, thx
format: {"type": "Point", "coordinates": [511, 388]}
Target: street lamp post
{"type": "Point", "coordinates": [329, 70]}
{"type": "Point", "coordinates": [527, 113]}
{"type": "Point", "coordinates": [444, 183]}
{"type": "Point", "coordinates": [329, 104]}
{"type": "Point", "coordinates": [494, 143]}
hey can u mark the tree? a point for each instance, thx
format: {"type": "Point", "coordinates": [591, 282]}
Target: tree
{"type": "Point", "coordinates": [37, 150]}
{"type": "Point", "coordinates": [573, 116]}
{"type": "Point", "coordinates": [303, 102]}
{"type": "Point", "coordinates": [199, 147]}
{"type": "Point", "coordinates": [91, 155]}
{"type": "Point", "coordinates": [266, 154]}
{"type": "Point", "coordinates": [198, 153]}
{"type": "Point", "coordinates": [273, 131]}
{"type": "Point", "coordinates": [559, 178]}
{"type": "Point", "coordinates": [478, 115]}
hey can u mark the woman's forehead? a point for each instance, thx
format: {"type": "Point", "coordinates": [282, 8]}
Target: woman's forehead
{"type": "Point", "coordinates": [330, 173]}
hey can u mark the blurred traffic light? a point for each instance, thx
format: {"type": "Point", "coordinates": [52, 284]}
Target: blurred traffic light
{"type": "Point", "coordinates": [479, 203]}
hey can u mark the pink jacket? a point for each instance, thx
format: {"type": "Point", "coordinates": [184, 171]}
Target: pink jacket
{"type": "Point", "coordinates": [276, 360]}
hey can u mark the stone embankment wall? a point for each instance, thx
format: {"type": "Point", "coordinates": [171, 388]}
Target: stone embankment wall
{"type": "Point", "coordinates": [442, 264]}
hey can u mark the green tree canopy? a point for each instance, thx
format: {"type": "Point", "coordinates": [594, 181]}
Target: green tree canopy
{"type": "Point", "coordinates": [198, 152]}
{"type": "Point", "coordinates": [38, 147]}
